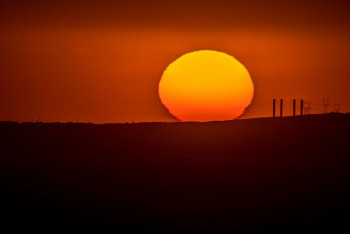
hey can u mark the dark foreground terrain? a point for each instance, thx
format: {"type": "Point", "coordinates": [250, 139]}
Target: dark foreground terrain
{"type": "Point", "coordinates": [282, 174]}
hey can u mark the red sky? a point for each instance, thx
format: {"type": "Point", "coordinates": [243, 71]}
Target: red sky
{"type": "Point", "coordinates": [101, 61]}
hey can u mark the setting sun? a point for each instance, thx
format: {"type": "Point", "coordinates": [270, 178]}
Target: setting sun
{"type": "Point", "coordinates": [206, 85]}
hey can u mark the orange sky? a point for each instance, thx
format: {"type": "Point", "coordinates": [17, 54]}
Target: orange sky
{"type": "Point", "coordinates": [95, 61]}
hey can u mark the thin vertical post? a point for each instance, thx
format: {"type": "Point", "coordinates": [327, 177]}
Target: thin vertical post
{"type": "Point", "coordinates": [281, 107]}
{"type": "Point", "coordinates": [273, 107]}
{"type": "Point", "coordinates": [293, 107]}
{"type": "Point", "coordinates": [301, 106]}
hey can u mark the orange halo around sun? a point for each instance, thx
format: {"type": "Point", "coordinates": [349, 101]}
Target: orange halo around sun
{"type": "Point", "coordinates": [206, 85]}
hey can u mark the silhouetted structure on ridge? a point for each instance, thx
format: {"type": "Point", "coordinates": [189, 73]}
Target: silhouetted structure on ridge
{"type": "Point", "coordinates": [281, 108]}
{"type": "Point", "coordinates": [303, 109]}
{"type": "Point", "coordinates": [307, 108]}
{"type": "Point", "coordinates": [293, 107]}
{"type": "Point", "coordinates": [301, 106]}
{"type": "Point", "coordinates": [325, 104]}
{"type": "Point", "coordinates": [336, 108]}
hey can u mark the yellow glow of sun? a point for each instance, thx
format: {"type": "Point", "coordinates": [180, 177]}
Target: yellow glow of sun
{"type": "Point", "coordinates": [206, 85]}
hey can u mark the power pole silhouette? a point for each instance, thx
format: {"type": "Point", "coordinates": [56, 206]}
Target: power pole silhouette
{"type": "Point", "coordinates": [281, 108]}
{"type": "Point", "coordinates": [336, 108]}
{"type": "Point", "coordinates": [307, 108]}
{"type": "Point", "coordinates": [293, 107]}
{"type": "Point", "coordinates": [274, 107]}
{"type": "Point", "coordinates": [301, 106]}
{"type": "Point", "coordinates": [325, 104]}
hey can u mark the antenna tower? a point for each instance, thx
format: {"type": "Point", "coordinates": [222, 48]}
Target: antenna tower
{"type": "Point", "coordinates": [336, 108]}
{"type": "Point", "coordinates": [325, 104]}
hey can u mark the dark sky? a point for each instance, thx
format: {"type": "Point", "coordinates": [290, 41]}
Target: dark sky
{"type": "Point", "coordinates": [101, 61]}
{"type": "Point", "coordinates": [298, 15]}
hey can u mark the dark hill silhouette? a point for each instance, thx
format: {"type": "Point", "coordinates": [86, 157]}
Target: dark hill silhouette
{"type": "Point", "coordinates": [284, 174]}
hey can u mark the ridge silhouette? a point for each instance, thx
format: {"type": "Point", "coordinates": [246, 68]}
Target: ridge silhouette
{"type": "Point", "coordinates": [243, 175]}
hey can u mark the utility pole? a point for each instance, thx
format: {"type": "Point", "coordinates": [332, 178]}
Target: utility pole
{"type": "Point", "coordinates": [281, 108]}
{"type": "Point", "coordinates": [301, 106]}
{"type": "Point", "coordinates": [293, 107]}
{"type": "Point", "coordinates": [274, 107]}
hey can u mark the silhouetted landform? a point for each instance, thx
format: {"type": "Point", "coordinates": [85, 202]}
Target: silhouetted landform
{"type": "Point", "coordinates": [283, 174]}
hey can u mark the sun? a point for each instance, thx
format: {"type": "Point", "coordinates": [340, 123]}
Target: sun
{"type": "Point", "coordinates": [206, 85]}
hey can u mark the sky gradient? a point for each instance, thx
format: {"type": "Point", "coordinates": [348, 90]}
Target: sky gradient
{"type": "Point", "coordinates": [101, 61]}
